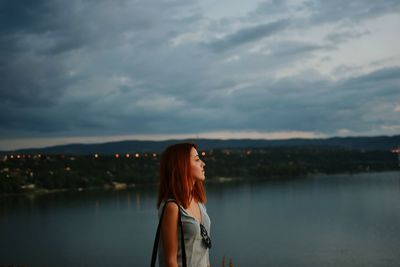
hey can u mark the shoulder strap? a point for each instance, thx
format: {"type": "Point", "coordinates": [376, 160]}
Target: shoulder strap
{"type": "Point", "coordinates": [157, 239]}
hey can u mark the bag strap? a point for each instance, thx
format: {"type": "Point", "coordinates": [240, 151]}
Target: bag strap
{"type": "Point", "coordinates": [157, 239]}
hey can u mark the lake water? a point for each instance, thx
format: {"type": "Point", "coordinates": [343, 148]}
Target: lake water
{"type": "Point", "coordinates": [341, 220]}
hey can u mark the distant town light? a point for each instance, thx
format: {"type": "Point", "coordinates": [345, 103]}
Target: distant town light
{"type": "Point", "coordinates": [154, 155]}
{"type": "Point", "coordinates": [117, 155]}
{"type": "Point", "coordinates": [203, 153]}
{"type": "Point", "coordinates": [18, 156]}
{"type": "Point", "coordinates": [96, 156]}
{"type": "Point", "coordinates": [11, 156]}
{"type": "Point", "coordinates": [248, 152]}
{"type": "Point", "coordinates": [28, 186]}
{"type": "Point", "coordinates": [137, 155]}
{"type": "Point", "coordinates": [397, 151]}
{"type": "Point", "coordinates": [127, 155]}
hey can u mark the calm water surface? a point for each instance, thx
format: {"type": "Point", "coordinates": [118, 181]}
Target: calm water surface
{"type": "Point", "coordinates": [338, 220]}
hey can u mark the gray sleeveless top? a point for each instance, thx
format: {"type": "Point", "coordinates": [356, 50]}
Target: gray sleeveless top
{"type": "Point", "coordinates": [197, 254]}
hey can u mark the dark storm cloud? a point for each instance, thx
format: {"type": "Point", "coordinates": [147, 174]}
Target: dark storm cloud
{"type": "Point", "coordinates": [25, 17]}
{"type": "Point", "coordinates": [52, 50]}
{"type": "Point", "coordinates": [298, 104]}
{"type": "Point", "coordinates": [248, 34]}
{"type": "Point", "coordinates": [129, 67]}
{"type": "Point", "coordinates": [30, 33]}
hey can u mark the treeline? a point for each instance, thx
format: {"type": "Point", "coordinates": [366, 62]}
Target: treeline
{"type": "Point", "coordinates": [19, 173]}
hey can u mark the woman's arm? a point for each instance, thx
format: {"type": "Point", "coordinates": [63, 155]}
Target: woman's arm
{"type": "Point", "coordinates": [169, 234]}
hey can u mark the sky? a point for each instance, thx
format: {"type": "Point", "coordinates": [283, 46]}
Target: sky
{"type": "Point", "coordinates": [97, 70]}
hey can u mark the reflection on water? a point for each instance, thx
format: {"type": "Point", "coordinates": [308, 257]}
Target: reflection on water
{"type": "Point", "coordinates": [97, 207]}
{"type": "Point", "coordinates": [123, 200]}
{"type": "Point", "coordinates": [318, 221]}
{"type": "Point", "coordinates": [138, 201]}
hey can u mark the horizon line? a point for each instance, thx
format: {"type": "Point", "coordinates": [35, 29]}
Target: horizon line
{"type": "Point", "coordinates": [9, 145]}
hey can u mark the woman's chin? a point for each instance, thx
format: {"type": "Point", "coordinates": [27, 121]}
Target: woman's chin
{"type": "Point", "coordinates": [201, 179]}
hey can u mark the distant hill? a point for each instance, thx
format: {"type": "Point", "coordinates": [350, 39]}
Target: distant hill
{"type": "Point", "coordinates": [360, 143]}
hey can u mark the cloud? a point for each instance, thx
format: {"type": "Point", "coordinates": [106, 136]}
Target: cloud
{"type": "Point", "coordinates": [339, 37]}
{"type": "Point", "coordinates": [389, 76]}
{"type": "Point", "coordinates": [270, 8]}
{"type": "Point", "coordinates": [84, 68]}
{"type": "Point", "coordinates": [339, 10]}
{"type": "Point", "coordinates": [248, 34]}
{"type": "Point", "coordinates": [293, 48]}
{"type": "Point", "coordinates": [296, 103]}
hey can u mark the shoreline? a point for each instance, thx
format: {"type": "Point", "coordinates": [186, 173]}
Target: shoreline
{"type": "Point", "coordinates": [215, 180]}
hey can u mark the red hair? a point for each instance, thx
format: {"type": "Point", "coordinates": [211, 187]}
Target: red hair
{"type": "Point", "coordinates": [175, 176]}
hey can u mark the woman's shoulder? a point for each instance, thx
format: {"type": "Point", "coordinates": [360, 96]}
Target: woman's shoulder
{"type": "Point", "coordinates": [169, 209]}
{"type": "Point", "coordinates": [169, 204]}
{"type": "Point", "coordinates": [167, 201]}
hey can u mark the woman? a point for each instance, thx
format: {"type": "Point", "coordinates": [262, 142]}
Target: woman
{"type": "Point", "coordinates": [181, 179]}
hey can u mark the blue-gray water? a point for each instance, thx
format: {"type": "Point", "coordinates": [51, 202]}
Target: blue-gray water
{"type": "Point", "coordinates": [338, 220]}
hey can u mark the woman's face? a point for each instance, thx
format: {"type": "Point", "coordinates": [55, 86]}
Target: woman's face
{"type": "Point", "coordinates": [197, 166]}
